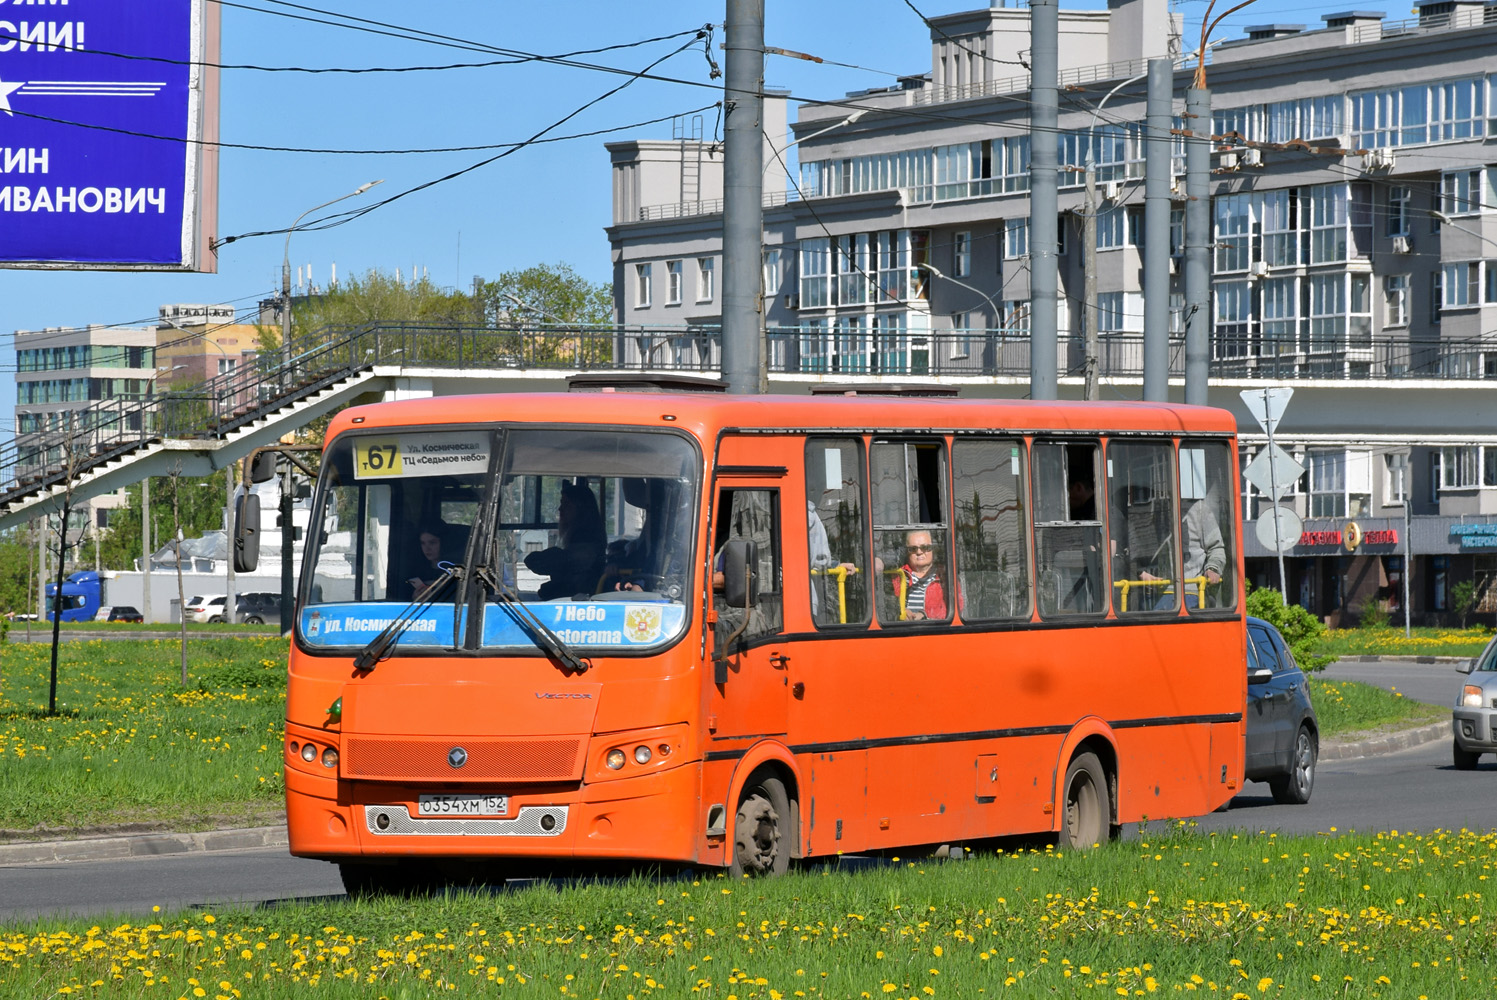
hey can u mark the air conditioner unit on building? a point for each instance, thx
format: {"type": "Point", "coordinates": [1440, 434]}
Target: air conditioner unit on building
{"type": "Point", "coordinates": [1258, 269]}
{"type": "Point", "coordinates": [1401, 244]}
{"type": "Point", "coordinates": [1227, 161]}
{"type": "Point", "coordinates": [1252, 157]}
{"type": "Point", "coordinates": [1112, 190]}
{"type": "Point", "coordinates": [1378, 159]}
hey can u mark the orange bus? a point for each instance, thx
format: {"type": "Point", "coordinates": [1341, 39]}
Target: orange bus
{"type": "Point", "coordinates": [736, 631]}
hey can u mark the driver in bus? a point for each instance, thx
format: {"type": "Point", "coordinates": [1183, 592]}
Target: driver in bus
{"type": "Point", "coordinates": [430, 538]}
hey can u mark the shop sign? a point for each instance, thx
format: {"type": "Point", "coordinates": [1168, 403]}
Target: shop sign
{"type": "Point", "coordinates": [1475, 536]}
{"type": "Point", "coordinates": [1352, 535]}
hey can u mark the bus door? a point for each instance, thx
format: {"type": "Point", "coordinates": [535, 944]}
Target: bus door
{"type": "Point", "coordinates": [749, 689]}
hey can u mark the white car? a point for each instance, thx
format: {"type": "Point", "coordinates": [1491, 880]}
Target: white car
{"type": "Point", "coordinates": [207, 608]}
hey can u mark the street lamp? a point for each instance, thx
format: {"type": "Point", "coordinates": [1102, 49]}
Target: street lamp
{"type": "Point", "coordinates": [286, 264]}
{"type": "Point", "coordinates": [1445, 220]}
{"type": "Point", "coordinates": [1002, 324]}
{"type": "Point", "coordinates": [859, 113]}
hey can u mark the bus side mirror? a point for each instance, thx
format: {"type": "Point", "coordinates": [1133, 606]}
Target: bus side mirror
{"type": "Point", "coordinates": [262, 467]}
{"type": "Point", "coordinates": [740, 573]}
{"type": "Point", "coordinates": [246, 532]}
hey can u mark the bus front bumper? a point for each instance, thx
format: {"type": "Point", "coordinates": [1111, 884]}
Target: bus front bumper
{"type": "Point", "coordinates": [652, 816]}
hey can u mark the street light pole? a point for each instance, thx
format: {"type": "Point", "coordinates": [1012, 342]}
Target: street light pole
{"type": "Point", "coordinates": [998, 319]}
{"type": "Point", "coordinates": [286, 265]}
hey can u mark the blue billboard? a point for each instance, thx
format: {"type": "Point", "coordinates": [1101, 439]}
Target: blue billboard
{"type": "Point", "coordinates": [105, 108]}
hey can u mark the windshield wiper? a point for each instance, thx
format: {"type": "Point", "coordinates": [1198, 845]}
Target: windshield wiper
{"type": "Point", "coordinates": [539, 632]}
{"type": "Point", "coordinates": [379, 647]}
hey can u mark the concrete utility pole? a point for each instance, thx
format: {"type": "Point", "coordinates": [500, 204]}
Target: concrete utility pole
{"type": "Point", "coordinates": [743, 195]}
{"type": "Point", "coordinates": [1044, 40]}
{"type": "Point", "coordinates": [1157, 123]}
{"type": "Point", "coordinates": [1197, 243]}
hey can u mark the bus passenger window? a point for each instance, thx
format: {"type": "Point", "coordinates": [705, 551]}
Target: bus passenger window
{"type": "Point", "coordinates": [1068, 529]}
{"type": "Point", "coordinates": [910, 538]}
{"type": "Point", "coordinates": [752, 515]}
{"type": "Point", "coordinates": [836, 531]}
{"type": "Point", "coordinates": [1208, 545]}
{"type": "Point", "coordinates": [1141, 526]}
{"type": "Point", "coordinates": [989, 528]}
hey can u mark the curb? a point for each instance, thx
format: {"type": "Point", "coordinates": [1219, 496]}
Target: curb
{"type": "Point", "coordinates": [1389, 743]}
{"type": "Point", "coordinates": [140, 845]}
{"type": "Point", "coordinates": [1368, 658]}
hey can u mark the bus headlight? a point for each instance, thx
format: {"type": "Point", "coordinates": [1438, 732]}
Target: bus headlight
{"type": "Point", "coordinates": [329, 757]}
{"type": "Point", "coordinates": [615, 759]}
{"type": "Point", "coordinates": [641, 755]}
{"type": "Point", "coordinates": [1471, 696]}
{"type": "Point", "coordinates": [308, 752]}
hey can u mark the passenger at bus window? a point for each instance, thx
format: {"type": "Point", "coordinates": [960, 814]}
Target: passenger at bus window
{"type": "Point", "coordinates": [918, 582]}
{"type": "Point", "coordinates": [1082, 491]}
{"type": "Point", "coordinates": [1205, 551]}
{"type": "Point", "coordinates": [819, 552]}
{"type": "Point", "coordinates": [429, 537]}
{"type": "Point", "coordinates": [1205, 554]}
{"type": "Point", "coordinates": [575, 564]}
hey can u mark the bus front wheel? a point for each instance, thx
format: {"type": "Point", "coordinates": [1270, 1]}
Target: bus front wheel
{"type": "Point", "coordinates": [1086, 811]}
{"type": "Point", "coordinates": [760, 845]}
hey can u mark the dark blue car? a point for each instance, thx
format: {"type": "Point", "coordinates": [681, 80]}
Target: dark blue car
{"type": "Point", "coordinates": [1283, 738]}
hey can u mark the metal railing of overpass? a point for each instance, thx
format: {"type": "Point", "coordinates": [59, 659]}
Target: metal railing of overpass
{"type": "Point", "coordinates": [280, 378]}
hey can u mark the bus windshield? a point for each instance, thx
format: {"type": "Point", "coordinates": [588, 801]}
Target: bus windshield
{"type": "Point", "coordinates": [590, 529]}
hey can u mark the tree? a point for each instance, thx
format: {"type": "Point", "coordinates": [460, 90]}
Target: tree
{"type": "Point", "coordinates": [1463, 599]}
{"type": "Point", "coordinates": [378, 297]}
{"type": "Point", "coordinates": [1300, 629]}
{"type": "Point", "coordinates": [540, 298]}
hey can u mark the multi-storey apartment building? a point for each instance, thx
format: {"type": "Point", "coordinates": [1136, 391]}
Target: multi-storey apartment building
{"type": "Point", "coordinates": [1354, 258]}
{"type": "Point", "coordinates": [196, 343]}
{"type": "Point", "coordinates": [70, 383]}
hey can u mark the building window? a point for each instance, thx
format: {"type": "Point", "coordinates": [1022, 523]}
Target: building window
{"type": "Point", "coordinates": [962, 255]}
{"type": "Point", "coordinates": [642, 290]}
{"type": "Point", "coordinates": [1328, 223]}
{"type": "Point", "coordinates": [673, 282]}
{"type": "Point", "coordinates": [1399, 199]}
{"type": "Point", "coordinates": [1110, 312]}
{"type": "Point", "coordinates": [1460, 192]}
{"type": "Point", "coordinates": [815, 273]}
{"type": "Point", "coordinates": [1436, 296]}
{"type": "Point", "coordinates": [1280, 317]}
{"type": "Point", "coordinates": [961, 334]}
{"type": "Point", "coordinates": [771, 276]}
{"type": "Point", "coordinates": [1177, 232]}
{"type": "Point", "coordinates": [1278, 213]}
{"type": "Point", "coordinates": [1015, 239]}
{"type": "Point", "coordinates": [1459, 467]}
{"type": "Point", "coordinates": [854, 266]}
{"type": "Point", "coordinates": [705, 286]}
{"type": "Point", "coordinates": [227, 365]}
{"type": "Point", "coordinates": [1396, 300]}
{"type": "Point", "coordinates": [1234, 314]}
{"type": "Point", "coordinates": [1461, 284]}
{"type": "Point", "coordinates": [1233, 226]}
{"type": "Point", "coordinates": [1395, 478]}
{"type": "Point", "coordinates": [1340, 482]}
{"type": "Point", "coordinates": [1327, 312]}
{"type": "Point", "coordinates": [1110, 228]}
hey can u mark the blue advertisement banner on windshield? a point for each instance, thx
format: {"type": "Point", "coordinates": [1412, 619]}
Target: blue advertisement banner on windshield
{"type": "Point", "coordinates": [586, 624]}
{"type": "Point", "coordinates": [357, 624]}
{"type": "Point", "coordinates": [101, 107]}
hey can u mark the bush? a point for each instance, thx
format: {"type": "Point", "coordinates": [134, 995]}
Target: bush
{"type": "Point", "coordinates": [1463, 599]}
{"type": "Point", "coordinates": [1300, 629]}
{"type": "Point", "coordinates": [1374, 616]}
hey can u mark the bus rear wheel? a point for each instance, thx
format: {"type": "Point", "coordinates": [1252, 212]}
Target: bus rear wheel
{"type": "Point", "coordinates": [1086, 811]}
{"type": "Point", "coordinates": [760, 846]}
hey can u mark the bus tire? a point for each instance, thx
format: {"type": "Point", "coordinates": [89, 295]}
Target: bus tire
{"type": "Point", "coordinates": [760, 842]}
{"type": "Point", "coordinates": [1086, 807]}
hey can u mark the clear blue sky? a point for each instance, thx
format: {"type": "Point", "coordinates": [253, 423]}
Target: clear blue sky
{"type": "Point", "coordinates": [546, 203]}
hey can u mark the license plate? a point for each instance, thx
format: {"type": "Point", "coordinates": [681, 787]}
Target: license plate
{"type": "Point", "coordinates": [462, 805]}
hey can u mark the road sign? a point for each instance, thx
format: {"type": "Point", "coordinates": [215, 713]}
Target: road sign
{"type": "Point", "coordinates": [108, 113]}
{"type": "Point", "coordinates": [1276, 481]}
{"type": "Point", "coordinates": [1267, 404]}
{"type": "Point", "coordinates": [1283, 535]}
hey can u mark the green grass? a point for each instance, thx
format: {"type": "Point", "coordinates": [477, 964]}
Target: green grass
{"type": "Point", "coordinates": [130, 745]}
{"type": "Point", "coordinates": [1392, 916]}
{"type": "Point", "coordinates": [159, 628]}
{"type": "Point", "coordinates": [1392, 642]}
{"type": "Point", "coordinates": [1344, 707]}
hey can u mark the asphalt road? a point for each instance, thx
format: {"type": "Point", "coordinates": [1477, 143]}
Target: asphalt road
{"type": "Point", "coordinates": [1415, 789]}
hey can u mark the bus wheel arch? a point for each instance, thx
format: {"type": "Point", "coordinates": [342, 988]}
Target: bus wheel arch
{"type": "Point", "coordinates": [765, 810]}
{"type": "Point", "coordinates": [1086, 797]}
